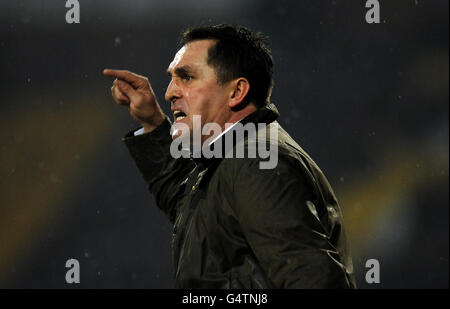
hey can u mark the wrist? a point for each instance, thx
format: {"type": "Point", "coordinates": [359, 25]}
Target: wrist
{"type": "Point", "coordinates": [148, 127]}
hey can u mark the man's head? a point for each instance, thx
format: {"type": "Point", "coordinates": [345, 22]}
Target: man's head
{"type": "Point", "coordinates": [221, 72]}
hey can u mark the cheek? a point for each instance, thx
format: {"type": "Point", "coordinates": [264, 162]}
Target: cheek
{"type": "Point", "coordinates": [195, 98]}
{"type": "Point", "coordinates": [201, 99]}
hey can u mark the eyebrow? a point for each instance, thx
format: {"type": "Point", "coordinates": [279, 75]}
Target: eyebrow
{"type": "Point", "coordinates": [180, 71]}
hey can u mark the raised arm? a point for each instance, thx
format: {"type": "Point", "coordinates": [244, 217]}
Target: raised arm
{"type": "Point", "coordinates": [164, 175]}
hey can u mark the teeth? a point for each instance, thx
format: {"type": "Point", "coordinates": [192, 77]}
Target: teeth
{"type": "Point", "coordinates": [179, 115]}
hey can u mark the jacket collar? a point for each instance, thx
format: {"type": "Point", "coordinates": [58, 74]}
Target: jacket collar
{"type": "Point", "coordinates": [265, 114]}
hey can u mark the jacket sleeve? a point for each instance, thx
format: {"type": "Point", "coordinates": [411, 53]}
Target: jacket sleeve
{"type": "Point", "coordinates": [278, 210]}
{"type": "Point", "coordinates": [165, 176]}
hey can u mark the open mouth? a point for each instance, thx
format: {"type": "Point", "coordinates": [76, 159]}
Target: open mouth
{"type": "Point", "coordinates": [178, 115]}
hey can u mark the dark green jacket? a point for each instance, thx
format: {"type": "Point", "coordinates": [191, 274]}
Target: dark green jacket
{"type": "Point", "coordinates": [239, 226]}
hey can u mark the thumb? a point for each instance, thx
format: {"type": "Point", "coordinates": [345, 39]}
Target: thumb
{"type": "Point", "coordinates": [127, 89]}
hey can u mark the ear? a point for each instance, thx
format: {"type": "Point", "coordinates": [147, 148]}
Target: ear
{"type": "Point", "coordinates": [239, 89]}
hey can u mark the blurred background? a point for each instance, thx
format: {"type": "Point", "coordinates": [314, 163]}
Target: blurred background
{"type": "Point", "coordinates": [369, 103]}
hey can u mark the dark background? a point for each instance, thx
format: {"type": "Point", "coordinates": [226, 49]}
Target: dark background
{"type": "Point", "coordinates": [369, 102]}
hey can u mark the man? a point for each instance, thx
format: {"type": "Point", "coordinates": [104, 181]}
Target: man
{"type": "Point", "coordinates": [236, 225]}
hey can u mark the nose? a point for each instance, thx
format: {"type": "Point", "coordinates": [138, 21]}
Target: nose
{"type": "Point", "coordinates": [173, 92]}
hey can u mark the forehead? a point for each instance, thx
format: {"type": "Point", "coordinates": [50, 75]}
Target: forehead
{"type": "Point", "coordinates": [193, 54]}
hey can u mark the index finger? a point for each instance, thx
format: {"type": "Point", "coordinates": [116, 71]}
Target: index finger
{"type": "Point", "coordinates": [132, 78]}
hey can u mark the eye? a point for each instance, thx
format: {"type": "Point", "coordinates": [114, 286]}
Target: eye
{"type": "Point", "coordinates": [186, 77]}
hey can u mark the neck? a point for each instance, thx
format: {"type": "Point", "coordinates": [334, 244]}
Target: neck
{"type": "Point", "coordinates": [236, 116]}
{"type": "Point", "coordinates": [233, 117]}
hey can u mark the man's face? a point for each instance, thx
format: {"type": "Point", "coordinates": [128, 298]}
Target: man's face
{"type": "Point", "coordinates": [193, 89]}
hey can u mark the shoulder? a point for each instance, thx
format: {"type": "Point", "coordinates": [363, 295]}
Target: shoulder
{"type": "Point", "coordinates": [271, 153]}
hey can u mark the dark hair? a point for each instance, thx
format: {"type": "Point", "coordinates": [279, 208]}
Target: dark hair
{"type": "Point", "coordinates": [238, 52]}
